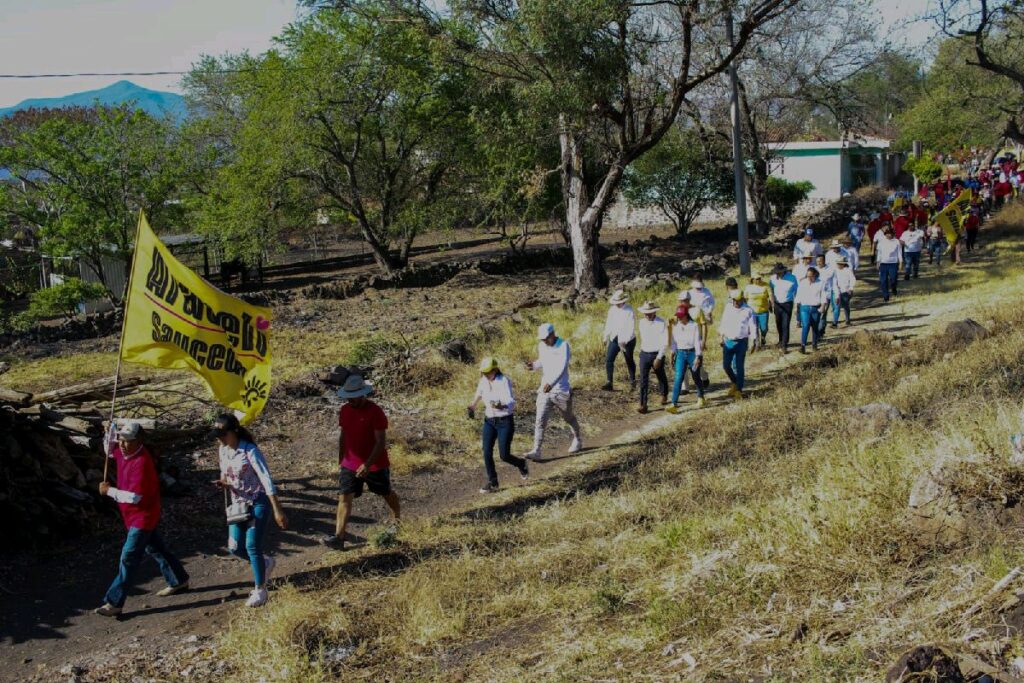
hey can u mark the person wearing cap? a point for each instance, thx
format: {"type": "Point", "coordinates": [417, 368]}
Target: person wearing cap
{"type": "Point", "coordinates": [890, 258]}
{"type": "Point", "coordinates": [620, 336]}
{"type": "Point", "coordinates": [852, 254]}
{"type": "Point", "coordinates": [827, 276]}
{"type": "Point", "coordinates": [138, 496]}
{"type": "Point", "coordinates": [812, 299]}
{"type": "Point", "coordinates": [495, 390]}
{"type": "Point", "coordinates": [737, 333]}
{"type": "Point", "coordinates": [913, 244]}
{"type": "Point", "coordinates": [758, 297]}
{"type": "Point", "coordinates": [855, 230]}
{"type": "Point", "coordinates": [687, 355]}
{"type": "Point", "coordinates": [783, 285]}
{"type": "Point", "coordinates": [244, 475]}
{"type": "Point", "coordinates": [362, 455]}
{"type": "Point", "coordinates": [845, 280]}
{"type": "Point", "coordinates": [806, 246]}
{"type": "Point", "coordinates": [555, 392]}
{"type": "Point", "coordinates": [653, 341]}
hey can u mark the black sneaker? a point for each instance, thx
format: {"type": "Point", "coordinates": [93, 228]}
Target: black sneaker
{"type": "Point", "coordinates": [524, 473]}
{"type": "Point", "coordinates": [607, 386]}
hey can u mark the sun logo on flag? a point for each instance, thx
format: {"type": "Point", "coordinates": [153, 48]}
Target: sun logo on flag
{"type": "Point", "coordinates": [254, 390]}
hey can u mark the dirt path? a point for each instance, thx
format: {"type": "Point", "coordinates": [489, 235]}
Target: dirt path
{"type": "Point", "coordinates": [45, 617]}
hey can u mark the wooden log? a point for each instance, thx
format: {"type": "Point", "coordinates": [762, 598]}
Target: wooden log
{"type": "Point", "coordinates": [95, 390]}
{"type": "Point", "coordinates": [16, 398]}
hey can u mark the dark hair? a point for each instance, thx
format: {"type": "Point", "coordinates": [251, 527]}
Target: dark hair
{"type": "Point", "coordinates": [814, 269]}
{"type": "Point", "coordinates": [231, 424]}
{"type": "Point", "coordinates": [731, 282]}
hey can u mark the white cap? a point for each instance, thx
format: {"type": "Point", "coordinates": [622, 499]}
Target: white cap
{"type": "Point", "coordinates": [128, 430]}
{"type": "Point", "coordinates": [545, 331]}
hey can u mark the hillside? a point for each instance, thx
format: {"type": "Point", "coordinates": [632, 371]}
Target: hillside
{"type": "Point", "coordinates": [153, 102]}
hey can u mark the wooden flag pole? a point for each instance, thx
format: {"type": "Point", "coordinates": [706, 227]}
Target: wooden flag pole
{"type": "Point", "coordinates": [124, 319]}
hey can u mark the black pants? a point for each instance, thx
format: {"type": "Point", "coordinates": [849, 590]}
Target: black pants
{"type": "Point", "coordinates": [972, 237]}
{"type": "Point", "coordinates": [613, 351]}
{"type": "Point", "coordinates": [647, 359]}
{"type": "Point", "coordinates": [783, 317]}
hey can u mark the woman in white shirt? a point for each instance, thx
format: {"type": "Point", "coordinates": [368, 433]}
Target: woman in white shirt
{"type": "Point", "coordinates": [688, 352]}
{"type": "Point", "coordinates": [495, 390]}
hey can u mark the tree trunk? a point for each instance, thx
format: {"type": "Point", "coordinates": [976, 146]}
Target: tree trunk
{"type": "Point", "coordinates": [381, 255]}
{"type": "Point", "coordinates": [583, 217]}
{"type": "Point", "coordinates": [757, 186]}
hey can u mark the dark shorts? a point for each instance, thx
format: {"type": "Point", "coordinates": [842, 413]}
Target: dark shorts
{"type": "Point", "coordinates": [378, 482]}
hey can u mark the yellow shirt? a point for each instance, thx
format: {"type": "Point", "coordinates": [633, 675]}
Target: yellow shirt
{"type": "Point", "coordinates": [757, 297]}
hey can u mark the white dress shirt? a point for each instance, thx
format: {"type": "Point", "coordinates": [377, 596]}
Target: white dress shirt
{"type": "Point", "coordinates": [827, 275]}
{"type": "Point", "coordinates": [620, 326]}
{"type": "Point", "coordinates": [913, 240]}
{"type": "Point", "coordinates": [812, 293]}
{"type": "Point", "coordinates": [687, 337]}
{"type": "Point", "coordinates": [497, 391]}
{"type": "Point", "coordinates": [702, 299]}
{"type": "Point", "coordinates": [800, 271]}
{"type": "Point", "coordinates": [782, 287]}
{"type": "Point", "coordinates": [653, 336]}
{"type": "Point", "coordinates": [832, 257]}
{"type": "Point", "coordinates": [553, 362]}
{"type": "Point", "coordinates": [738, 323]}
{"type": "Point", "coordinates": [889, 250]}
{"type": "Point", "coordinates": [845, 280]}
{"type": "Point", "coordinates": [805, 248]}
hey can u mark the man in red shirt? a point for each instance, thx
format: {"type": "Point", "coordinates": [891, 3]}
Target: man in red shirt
{"type": "Point", "coordinates": [138, 495]}
{"type": "Point", "coordinates": [362, 454]}
{"type": "Point", "coordinates": [972, 222]}
{"type": "Point", "coordinates": [1000, 191]}
{"type": "Point", "coordinates": [902, 221]}
{"type": "Point", "coordinates": [921, 215]}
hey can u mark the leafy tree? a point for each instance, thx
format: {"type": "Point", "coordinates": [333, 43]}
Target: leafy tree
{"type": "Point", "coordinates": [608, 78]}
{"type": "Point", "coordinates": [925, 169]}
{"type": "Point", "coordinates": [81, 175]}
{"type": "Point", "coordinates": [356, 112]}
{"type": "Point", "coordinates": [680, 178]}
{"type": "Point", "coordinates": [785, 196]}
{"type": "Point", "coordinates": [961, 105]}
{"type": "Point", "coordinates": [62, 299]}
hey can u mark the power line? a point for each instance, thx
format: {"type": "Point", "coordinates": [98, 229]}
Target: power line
{"type": "Point", "coordinates": [77, 75]}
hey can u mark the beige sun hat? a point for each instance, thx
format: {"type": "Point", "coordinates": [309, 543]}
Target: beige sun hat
{"type": "Point", "coordinates": [619, 297]}
{"type": "Point", "coordinates": [649, 307]}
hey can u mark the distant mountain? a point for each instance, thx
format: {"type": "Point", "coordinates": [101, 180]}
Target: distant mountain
{"type": "Point", "coordinates": [153, 102]}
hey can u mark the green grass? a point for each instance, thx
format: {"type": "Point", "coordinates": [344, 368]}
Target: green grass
{"type": "Point", "coordinates": [718, 540]}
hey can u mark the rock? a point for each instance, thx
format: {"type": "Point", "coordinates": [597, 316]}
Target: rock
{"type": "Point", "coordinates": [964, 332]}
{"type": "Point", "coordinates": [935, 664]}
{"type": "Point", "coordinates": [874, 418]}
{"type": "Point", "coordinates": [935, 510]}
{"type": "Point", "coordinates": [55, 461]}
{"type": "Point", "coordinates": [4, 367]}
{"type": "Point", "coordinates": [456, 349]}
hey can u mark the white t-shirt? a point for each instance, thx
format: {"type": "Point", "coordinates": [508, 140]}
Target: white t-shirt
{"type": "Point", "coordinates": [805, 248]}
{"type": "Point", "coordinates": [913, 240]}
{"type": "Point", "coordinates": [889, 250]}
{"type": "Point", "coordinates": [620, 325]}
{"type": "Point", "coordinates": [498, 391]}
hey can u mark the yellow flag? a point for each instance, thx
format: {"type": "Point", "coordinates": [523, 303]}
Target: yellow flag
{"type": "Point", "coordinates": [960, 204]}
{"type": "Point", "coordinates": [897, 203]}
{"type": "Point", "coordinates": [950, 229]}
{"type": "Point", "coordinates": [175, 319]}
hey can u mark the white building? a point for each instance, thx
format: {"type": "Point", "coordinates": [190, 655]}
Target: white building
{"type": "Point", "coordinates": [837, 167]}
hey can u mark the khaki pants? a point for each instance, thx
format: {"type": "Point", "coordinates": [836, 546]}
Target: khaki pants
{"type": "Point", "coordinates": [553, 400]}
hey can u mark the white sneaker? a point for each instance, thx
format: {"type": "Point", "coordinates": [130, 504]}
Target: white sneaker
{"type": "Point", "coordinates": [257, 598]}
{"type": "Point", "coordinates": [576, 446]}
{"type": "Point", "coordinates": [268, 567]}
{"type": "Point", "coordinates": [532, 455]}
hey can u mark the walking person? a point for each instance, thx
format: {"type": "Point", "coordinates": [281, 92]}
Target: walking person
{"type": "Point", "coordinates": [737, 333]}
{"type": "Point", "coordinates": [827, 276]}
{"type": "Point", "coordinates": [653, 341]}
{"type": "Point", "coordinates": [362, 455]}
{"type": "Point", "coordinates": [138, 496]}
{"type": "Point", "coordinates": [855, 231]}
{"type": "Point", "coordinates": [687, 356]}
{"type": "Point", "coordinates": [702, 301]}
{"type": "Point", "coordinates": [783, 285]}
{"type": "Point", "coordinates": [812, 299]}
{"type": "Point", "coordinates": [555, 392]}
{"type": "Point", "coordinates": [972, 223]}
{"type": "Point", "coordinates": [890, 258]}
{"type": "Point", "coordinates": [495, 390]}
{"type": "Point", "coordinates": [845, 281]}
{"type": "Point", "coordinates": [936, 244]}
{"type": "Point", "coordinates": [252, 497]}
{"type": "Point", "coordinates": [806, 246]}
{"type": "Point", "coordinates": [913, 244]}
{"type": "Point", "coordinates": [620, 336]}
{"type": "Point", "coordinates": [759, 298]}
{"type": "Point", "coordinates": [800, 268]}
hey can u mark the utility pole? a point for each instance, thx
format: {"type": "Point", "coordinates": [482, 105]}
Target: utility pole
{"type": "Point", "coordinates": [916, 148]}
{"type": "Point", "coordinates": [737, 158]}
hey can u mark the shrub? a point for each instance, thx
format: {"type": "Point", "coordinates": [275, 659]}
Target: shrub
{"type": "Point", "coordinates": [62, 300]}
{"type": "Point", "coordinates": [784, 195]}
{"type": "Point", "coordinates": [925, 169]}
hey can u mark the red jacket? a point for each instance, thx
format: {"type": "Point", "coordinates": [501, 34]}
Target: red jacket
{"type": "Point", "coordinates": [1002, 189]}
{"type": "Point", "coordinates": [873, 227]}
{"type": "Point", "coordinates": [137, 473]}
{"type": "Point", "coordinates": [900, 225]}
{"type": "Point", "coordinates": [921, 216]}
{"type": "Point", "coordinates": [972, 222]}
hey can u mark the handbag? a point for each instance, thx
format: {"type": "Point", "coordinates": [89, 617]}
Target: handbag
{"type": "Point", "coordinates": [237, 512]}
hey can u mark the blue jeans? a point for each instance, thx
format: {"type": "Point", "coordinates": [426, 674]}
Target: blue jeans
{"type": "Point", "coordinates": [246, 540]}
{"type": "Point", "coordinates": [734, 354]}
{"type": "Point", "coordinates": [837, 305]}
{"type": "Point", "coordinates": [911, 263]}
{"type": "Point", "coordinates": [139, 542]}
{"type": "Point", "coordinates": [685, 358]}
{"type": "Point", "coordinates": [935, 252]}
{"type": "Point", "coordinates": [888, 273]}
{"type": "Point", "coordinates": [810, 317]}
{"type": "Point", "coordinates": [844, 304]}
{"type": "Point", "coordinates": [500, 430]}
{"type": "Point", "coordinates": [613, 351]}
{"type": "Point", "coordinates": [762, 326]}
{"type": "Point", "coordinates": [647, 360]}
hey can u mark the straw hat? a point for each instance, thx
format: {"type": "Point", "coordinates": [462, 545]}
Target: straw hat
{"type": "Point", "coordinates": [649, 307]}
{"type": "Point", "coordinates": [619, 297]}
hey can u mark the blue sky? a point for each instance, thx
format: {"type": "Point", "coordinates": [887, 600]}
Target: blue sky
{"type": "Point", "coordinates": [61, 36]}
